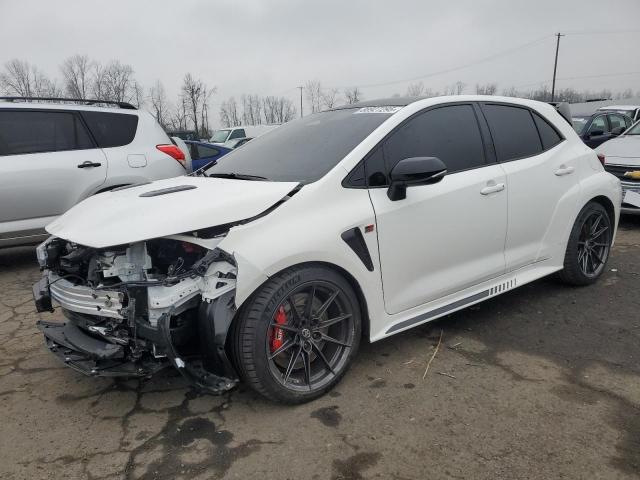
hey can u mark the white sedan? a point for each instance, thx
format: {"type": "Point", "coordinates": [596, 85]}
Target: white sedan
{"type": "Point", "coordinates": [355, 223]}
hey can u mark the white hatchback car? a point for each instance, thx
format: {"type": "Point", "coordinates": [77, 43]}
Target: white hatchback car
{"type": "Point", "coordinates": [54, 154]}
{"type": "Point", "coordinates": [362, 221]}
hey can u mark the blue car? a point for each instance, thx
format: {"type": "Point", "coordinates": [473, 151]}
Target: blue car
{"type": "Point", "coordinates": [204, 153]}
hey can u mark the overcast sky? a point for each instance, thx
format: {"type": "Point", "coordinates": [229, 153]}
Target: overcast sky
{"type": "Point", "coordinates": [271, 46]}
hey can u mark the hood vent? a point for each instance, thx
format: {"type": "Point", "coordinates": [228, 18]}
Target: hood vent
{"type": "Point", "coordinates": [164, 191]}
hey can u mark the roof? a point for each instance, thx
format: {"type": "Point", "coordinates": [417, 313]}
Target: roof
{"type": "Point", "coordinates": [382, 102]}
{"type": "Point", "coordinates": [66, 103]}
{"type": "Point", "coordinates": [586, 109]}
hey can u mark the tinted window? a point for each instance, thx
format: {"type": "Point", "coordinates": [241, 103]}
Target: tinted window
{"type": "Point", "coordinates": [207, 151]}
{"type": "Point", "coordinates": [239, 133]}
{"type": "Point", "coordinates": [450, 133]}
{"type": "Point", "coordinates": [549, 135]}
{"type": "Point", "coordinates": [33, 132]}
{"type": "Point", "coordinates": [302, 150]}
{"type": "Point", "coordinates": [111, 129]}
{"type": "Point", "coordinates": [514, 133]}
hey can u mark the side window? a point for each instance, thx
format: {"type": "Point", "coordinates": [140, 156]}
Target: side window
{"type": "Point", "coordinates": [513, 130]}
{"type": "Point", "coordinates": [599, 124]}
{"type": "Point", "coordinates": [111, 129]}
{"type": "Point", "coordinates": [237, 133]}
{"type": "Point", "coordinates": [207, 151]}
{"type": "Point", "coordinates": [24, 132]}
{"type": "Point", "coordinates": [549, 135]}
{"type": "Point", "coordinates": [450, 133]}
{"type": "Point", "coordinates": [618, 123]}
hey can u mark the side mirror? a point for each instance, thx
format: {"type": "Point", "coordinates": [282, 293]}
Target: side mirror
{"type": "Point", "coordinates": [596, 133]}
{"type": "Point", "coordinates": [617, 131]}
{"type": "Point", "coordinates": [414, 171]}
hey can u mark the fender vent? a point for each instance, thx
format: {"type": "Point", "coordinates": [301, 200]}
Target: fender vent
{"type": "Point", "coordinates": [503, 287]}
{"type": "Point", "coordinates": [356, 242]}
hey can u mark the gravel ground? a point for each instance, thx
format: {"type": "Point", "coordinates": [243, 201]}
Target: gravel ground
{"type": "Point", "coordinates": [541, 382]}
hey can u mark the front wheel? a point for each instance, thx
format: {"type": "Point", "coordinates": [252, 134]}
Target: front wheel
{"type": "Point", "coordinates": [589, 246]}
{"type": "Point", "coordinates": [297, 335]}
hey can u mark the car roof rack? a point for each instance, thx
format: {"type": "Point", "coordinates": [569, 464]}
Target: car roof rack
{"type": "Point", "coordinates": [84, 101]}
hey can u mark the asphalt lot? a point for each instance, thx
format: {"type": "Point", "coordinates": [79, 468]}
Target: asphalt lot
{"type": "Point", "coordinates": [541, 382]}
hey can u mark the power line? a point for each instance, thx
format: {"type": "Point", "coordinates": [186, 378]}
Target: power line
{"type": "Point", "coordinates": [542, 82]}
{"type": "Point", "coordinates": [454, 69]}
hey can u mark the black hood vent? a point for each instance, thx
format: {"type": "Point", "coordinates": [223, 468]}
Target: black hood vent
{"type": "Point", "coordinates": [164, 191]}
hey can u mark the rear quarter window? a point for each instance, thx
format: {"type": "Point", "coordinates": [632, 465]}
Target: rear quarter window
{"type": "Point", "coordinates": [111, 129]}
{"type": "Point", "coordinates": [513, 131]}
{"type": "Point", "coordinates": [24, 131]}
{"type": "Point", "coordinates": [548, 134]}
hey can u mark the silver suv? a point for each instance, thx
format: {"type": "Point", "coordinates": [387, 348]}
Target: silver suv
{"type": "Point", "coordinates": [57, 152]}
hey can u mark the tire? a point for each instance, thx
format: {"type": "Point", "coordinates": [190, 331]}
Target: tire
{"type": "Point", "coordinates": [287, 354]}
{"type": "Point", "coordinates": [584, 267]}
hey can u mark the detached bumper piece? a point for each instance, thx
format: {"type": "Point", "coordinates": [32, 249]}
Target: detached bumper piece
{"type": "Point", "coordinates": [91, 356]}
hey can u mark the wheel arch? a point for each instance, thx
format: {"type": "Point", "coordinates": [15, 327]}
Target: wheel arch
{"type": "Point", "coordinates": [362, 301]}
{"type": "Point", "coordinates": [607, 204]}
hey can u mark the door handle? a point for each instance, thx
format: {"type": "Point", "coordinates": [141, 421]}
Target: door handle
{"type": "Point", "coordinates": [564, 171]}
{"type": "Point", "coordinates": [89, 164]}
{"type": "Point", "coordinates": [498, 187]}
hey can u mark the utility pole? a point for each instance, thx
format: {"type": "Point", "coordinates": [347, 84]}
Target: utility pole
{"type": "Point", "coordinates": [555, 67]}
{"type": "Point", "coordinates": [300, 101]}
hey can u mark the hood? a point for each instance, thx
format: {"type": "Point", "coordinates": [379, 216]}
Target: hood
{"type": "Point", "coordinates": [165, 207]}
{"type": "Point", "coordinates": [623, 147]}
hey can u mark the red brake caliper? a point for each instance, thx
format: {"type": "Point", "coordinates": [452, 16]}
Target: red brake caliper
{"type": "Point", "coordinates": [277, 334]}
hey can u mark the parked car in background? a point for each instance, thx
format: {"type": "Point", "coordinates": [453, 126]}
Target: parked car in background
{"type": "Point", "coordinates": [351, 224]}
{"type": "Point", "coordinates": [600, 127]}
{"type": "Point", "coordinates": [631, 111]}
{"type": "Point", "coordinates": [184, 134]}
{"type": "Point", "coordinates": [224, 135]}
{"type": "Point", "coordinates": [54, 154]}
{"type": "Point", "coordinates": [622, 159]}
{"type": "Point", "coordinates": [237, 142]}
{"type": "Point", "coordinates": [203, 154]}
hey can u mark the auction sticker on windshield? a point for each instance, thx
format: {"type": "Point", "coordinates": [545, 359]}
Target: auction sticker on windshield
{"type": "Point", "coordinates": [377, 110]}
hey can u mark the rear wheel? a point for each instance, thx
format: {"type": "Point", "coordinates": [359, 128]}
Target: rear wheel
{"type": "Point", "coordinates": [589, 246]}
{"type": "Point", "coordinates": [297, 335]}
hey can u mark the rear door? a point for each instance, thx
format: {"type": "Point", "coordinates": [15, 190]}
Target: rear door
{"type": "Point", "coordinates": [48, 162]}
{"type": "Point", "coordinates": [541, 181]}
{"type": "Point", "coordinates": [447, 236]}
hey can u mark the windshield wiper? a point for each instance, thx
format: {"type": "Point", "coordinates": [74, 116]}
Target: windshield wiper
{"type": "Point", "coordinates": [236, 176]}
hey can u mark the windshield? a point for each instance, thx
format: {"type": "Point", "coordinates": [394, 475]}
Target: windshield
{"type": "Point", "coordinates": [634, 130]}
{"type": "Point", "coordinates": [303, 150]}
{"type": "Point", "coordinates": [579, 123]}
{"type": "Point", "coordinates": [220, 136]}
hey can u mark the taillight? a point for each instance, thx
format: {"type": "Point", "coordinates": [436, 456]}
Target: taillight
{"type": "Point", "coordinates": [174, 152]}
{"type": "Point", "coordinates": [601, 158]}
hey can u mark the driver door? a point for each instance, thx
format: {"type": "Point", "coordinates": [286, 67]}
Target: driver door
{"type": "Point", "coordinates": [442, 237]}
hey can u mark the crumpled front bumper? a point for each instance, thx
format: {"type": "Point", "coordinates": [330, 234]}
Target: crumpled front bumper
{"type": "Point", "coordinates": [81, 346]}
{"type": "Point", "coordinates": [92, 356]}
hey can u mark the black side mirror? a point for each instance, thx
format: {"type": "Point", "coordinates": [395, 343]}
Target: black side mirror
{"type": "Point", "coordinates": [414, 171]}
{"type": "Point", "coordinates": [596, 133]}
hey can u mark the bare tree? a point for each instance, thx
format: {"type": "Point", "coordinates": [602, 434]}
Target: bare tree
{"type": "Point", "coordinates": [178, 118]}
{"type": "Point", "coordinates": [313, 92]}
{"type": "Point", "coordinates": [120, 84]}
{"type": "Point", "coordinates": [195, 95]}
{"type": "Point", "coordinates": [251, 109]}
{"type": "Point", "coordinates": [487, 89]}
{"type": "Point", "coordinates": [159, 103]}
{"type": "Point", "coordinates": [510, 92]}
{"type": "Point", "coordinates": [352, 95]}
{"type": "Point", "coordinates": [25, 80]}
{"type": "Point", "coordinates": [459, 87]}
{"type": "Point", "coordinates": [76, 74]}
{"type": "Point", "coordinates": [229, 115]}
{"type": "Point", "coordinates": [330, 97]}
{"type": "Point", "coordinates": [415, 90]}
{"type": "Point", "coordinates": [278, 110]}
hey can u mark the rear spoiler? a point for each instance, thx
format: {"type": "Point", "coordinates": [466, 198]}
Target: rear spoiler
{"type": "Point", "coordinates": [563, 109]}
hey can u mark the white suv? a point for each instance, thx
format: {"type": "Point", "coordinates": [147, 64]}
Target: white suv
{"type": "Point", "coordinates": [357, 222]}
{"type": "Point", "coordinates": [54, 154]}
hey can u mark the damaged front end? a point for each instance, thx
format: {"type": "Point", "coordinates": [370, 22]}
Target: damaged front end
{"type": "Point", "coordinates": [135, 309]}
